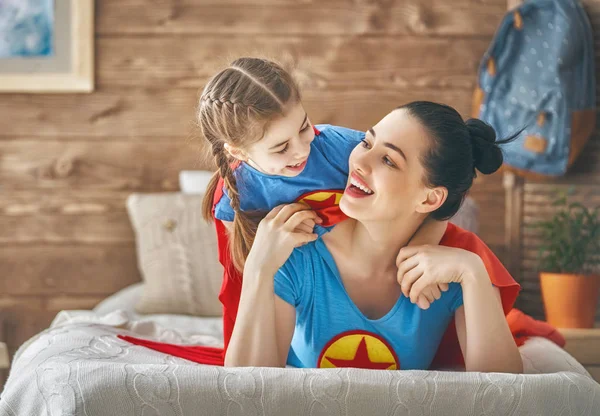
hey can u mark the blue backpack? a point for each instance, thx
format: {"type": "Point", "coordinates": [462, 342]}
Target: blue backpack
{"type": "Point", "coordinates": [538, 75]}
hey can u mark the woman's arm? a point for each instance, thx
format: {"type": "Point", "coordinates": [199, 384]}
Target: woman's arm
{"type": "Point", "coordinates": [264, 326]}
{"type": "Point", "coordinates": [485, 338]}
{"type": "Point", "coordinates": [265, 323]}
{"type": "Point", "coordinates": [483, 333]}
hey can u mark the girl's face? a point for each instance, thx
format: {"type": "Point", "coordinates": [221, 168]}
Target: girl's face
{"type": "Point", "coordinates": [386, 178]}
{"type": "Point", "coordinates": [285, 147]}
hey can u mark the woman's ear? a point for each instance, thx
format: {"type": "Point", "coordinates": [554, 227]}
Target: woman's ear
{"type": "Point", "coordinates": [432, 200]}
{"type": "Point", "coordinates": [236, 152]}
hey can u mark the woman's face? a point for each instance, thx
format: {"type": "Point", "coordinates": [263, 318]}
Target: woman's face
{"type": "Point", "coordinates": [386, 174]}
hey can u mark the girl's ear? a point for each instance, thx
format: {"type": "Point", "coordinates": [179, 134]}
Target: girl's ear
{"type": "Point", "coordinates": [432, 200]}
{"type": "Point", "coordinates": [236, 152]}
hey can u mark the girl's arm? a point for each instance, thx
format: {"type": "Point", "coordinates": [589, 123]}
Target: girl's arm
{"type": "Point", "coordinates": [265, 323]}
{"type": "Point", "coordinates": [483, 333]}
{"type": "Point", "coordinates": [429, 233]}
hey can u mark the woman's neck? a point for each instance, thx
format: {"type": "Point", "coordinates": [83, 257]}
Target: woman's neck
{"type": "Point", "coordinates": [373, 247]}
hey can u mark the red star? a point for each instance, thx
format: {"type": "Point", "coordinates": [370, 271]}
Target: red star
{"type": "Point", "coordinates": [361, 359]}
{"type": "Point", "coordinates": [317, 205]}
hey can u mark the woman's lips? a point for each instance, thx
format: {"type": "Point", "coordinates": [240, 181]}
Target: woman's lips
{"type": "Point", "coordinates": [355, 192]}
{"type": "Point", "coordinates": [358, 188]}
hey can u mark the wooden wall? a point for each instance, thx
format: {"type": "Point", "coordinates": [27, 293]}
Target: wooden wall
{"type": "Point", "coordinates": [537, 196]}
{"type": "Point", "coordinates": [67, 162]}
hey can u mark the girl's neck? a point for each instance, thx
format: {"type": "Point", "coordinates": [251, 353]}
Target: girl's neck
{"type": "Point", "coordinates": [372, 247]}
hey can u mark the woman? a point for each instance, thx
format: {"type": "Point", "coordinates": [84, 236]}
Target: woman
{"type": "Point", "coordinates": [346, 300]}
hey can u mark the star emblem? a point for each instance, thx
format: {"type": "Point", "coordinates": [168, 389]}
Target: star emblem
{"type": "Point", "coordinates": [361, 359]}
{"type": "Point", "coordinates": [359, 349]}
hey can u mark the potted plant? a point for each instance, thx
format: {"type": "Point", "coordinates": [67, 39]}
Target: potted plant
{"type": "Point", "coordinates": [569, 260]}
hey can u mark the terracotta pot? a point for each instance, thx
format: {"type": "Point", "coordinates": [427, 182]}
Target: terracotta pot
{"type": "Point", "coordinates": [570, 300]}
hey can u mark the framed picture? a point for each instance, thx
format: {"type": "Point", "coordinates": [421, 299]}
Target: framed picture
{"type": "Point", "coordinates": [46, 46]}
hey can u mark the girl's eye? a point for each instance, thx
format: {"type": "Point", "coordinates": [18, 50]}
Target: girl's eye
{"type": "Point", "coordinates": [285, 149]}
{"type": "Point", "coordinates": [305, 127]}
{"type": "Point", "coordinates": [365, 144]}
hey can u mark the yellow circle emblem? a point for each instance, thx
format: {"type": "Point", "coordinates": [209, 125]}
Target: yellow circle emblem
{"type": "Point", "coordinates": [359, 349]}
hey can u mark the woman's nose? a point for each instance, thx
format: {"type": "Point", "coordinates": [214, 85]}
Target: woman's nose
{"type": "Point", "coordinates": [362, 162]}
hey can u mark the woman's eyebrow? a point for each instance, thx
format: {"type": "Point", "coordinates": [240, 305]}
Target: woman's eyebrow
{"type": "Point", "coordinates": [397, 149]}
{"type": "Point", "coordinates": [389, 145]}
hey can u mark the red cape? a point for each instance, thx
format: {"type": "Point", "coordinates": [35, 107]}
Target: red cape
{"type": "Point", "coordinates": [449, 354]}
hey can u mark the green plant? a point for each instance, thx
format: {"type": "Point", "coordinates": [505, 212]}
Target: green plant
{"type": "Point", "coordinates": [570, 238]}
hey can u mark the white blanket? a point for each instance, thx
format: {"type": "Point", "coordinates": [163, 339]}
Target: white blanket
{"type": "Point", "coordinates": [79, 367]}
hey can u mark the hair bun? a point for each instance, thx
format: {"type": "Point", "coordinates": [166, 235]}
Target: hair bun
{"type": "Point", "coordinates": [487, 155]}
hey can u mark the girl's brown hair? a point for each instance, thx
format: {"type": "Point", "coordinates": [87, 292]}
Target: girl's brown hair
{"type": "Point", "coordinates": [235, 108]}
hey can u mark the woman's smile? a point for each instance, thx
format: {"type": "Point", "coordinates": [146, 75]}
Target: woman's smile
{"type": "Point", "coordinates": [358, 188]}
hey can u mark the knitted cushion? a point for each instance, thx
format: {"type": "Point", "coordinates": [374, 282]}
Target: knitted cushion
{"type": "Point", "coordinates": [177, 255]}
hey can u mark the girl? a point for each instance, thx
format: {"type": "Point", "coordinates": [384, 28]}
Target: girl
{"type": "Point", "coordinates": [336, 301]}
{"type": "Point", "coordinates": [268, 153]}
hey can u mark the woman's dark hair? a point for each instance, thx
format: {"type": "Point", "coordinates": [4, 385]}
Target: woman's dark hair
{"type": "Point", "coordinates": [458, 149]}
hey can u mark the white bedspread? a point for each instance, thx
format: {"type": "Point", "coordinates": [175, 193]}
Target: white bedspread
{"type": "Point", "coordinates": [79, 367]}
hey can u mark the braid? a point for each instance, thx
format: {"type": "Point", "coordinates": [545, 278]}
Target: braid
{"type": "Point", "coordinates": [222, 161]}
{"type": "Point", "coordinates": [235, 108]}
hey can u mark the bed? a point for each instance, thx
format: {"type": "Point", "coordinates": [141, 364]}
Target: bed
{"type": "Point", "coordinates": [78, 366]}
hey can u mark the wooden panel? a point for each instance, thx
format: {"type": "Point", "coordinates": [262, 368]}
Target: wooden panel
{"type": "Point", "coordinates": [323, 62]}
{"type": "Point", "coordinates": [71, 269]}
{"type": "Point", "coordinates": [108, 228]}
{"type": "Point", "coordinates": [107, 165]}
{"type": "Point", "coordinates": [333, 17]}
{"type": "Point", "coordinates": [64, 216]}
{"type": "Point", "coordinates": [26, 316]}
{"type": "Point", "coordinates": [594, 371]}
{"type": "Point", "coordinates": [59, 201]}
{"type": "Point", "coordinates": [583, 344]}
{"type": "Point", "coordinates": [170, 112]}
{"type": "Point", "coordinates": [487, 191]}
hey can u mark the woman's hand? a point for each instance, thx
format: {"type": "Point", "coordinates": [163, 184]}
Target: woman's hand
{"type": "Point", "coordinates": [425, 271]}
{"type": "Point", "coordinates": [283, 229]}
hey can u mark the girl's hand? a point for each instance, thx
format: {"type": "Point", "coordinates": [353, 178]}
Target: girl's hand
{"type": "Point", "coordinates": [425, 271]}
{"type": "Point", "coordinates": [282, 230]}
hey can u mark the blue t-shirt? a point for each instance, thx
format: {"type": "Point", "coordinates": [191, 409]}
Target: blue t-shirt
{"type": "Point", "coordinates": [331, 331]}
{"type": "Point", "coordinates": [321, 183]}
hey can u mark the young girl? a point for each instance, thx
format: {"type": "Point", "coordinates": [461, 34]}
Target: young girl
{"type": "Point", "coordinates": [268, 153]}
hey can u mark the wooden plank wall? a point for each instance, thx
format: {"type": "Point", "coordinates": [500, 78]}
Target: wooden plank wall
{"type": "Point", "coordinates": [537, 195]}
{"type": "Point", "coordinates": [67, 162]}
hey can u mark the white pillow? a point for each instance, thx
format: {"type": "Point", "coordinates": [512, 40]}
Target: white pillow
{"type": "Point", "coordinates": [194, 181]}
{"type": "Point", "coordinates": [177, 255]}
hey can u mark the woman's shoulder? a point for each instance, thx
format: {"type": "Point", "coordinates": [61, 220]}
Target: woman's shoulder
{"type": "Point", "coordinates": [461, 238]}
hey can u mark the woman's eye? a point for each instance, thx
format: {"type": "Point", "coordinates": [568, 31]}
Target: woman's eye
{"type": "Point", "coordinates": [388, 162]}
{"type": "Point", "coordinates": [305, 127]}
{"type": "Point", "coordinates": [365, 144]}
{"type": "Point", "coordinates": [285, 149]}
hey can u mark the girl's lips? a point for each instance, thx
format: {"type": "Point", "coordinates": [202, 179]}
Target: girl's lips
{"type": "Point", "coordinates": [298, 168]}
